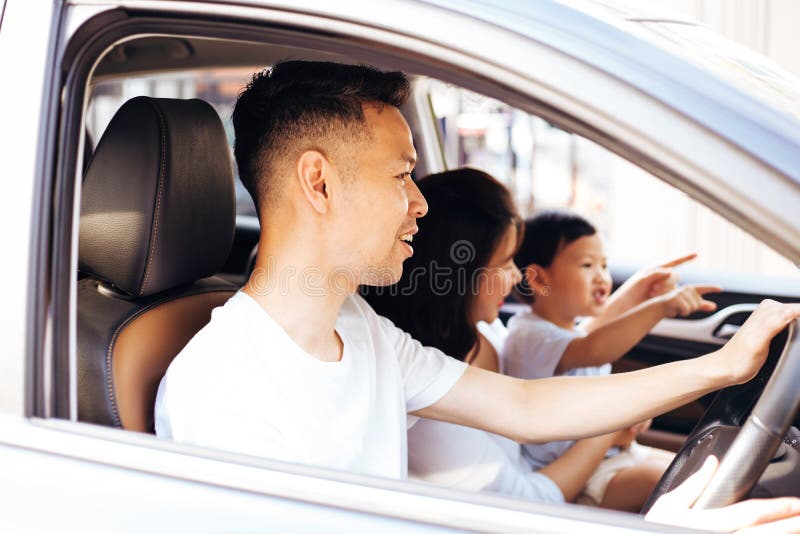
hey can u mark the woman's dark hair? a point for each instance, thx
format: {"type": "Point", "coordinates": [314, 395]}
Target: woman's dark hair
{"type": "Point", "coordinates": [546, 233]}
{"type": "Point", "coordinates": [469, 214]}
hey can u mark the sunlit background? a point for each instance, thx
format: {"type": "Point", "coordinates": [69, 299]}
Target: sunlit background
{"type": "Point", "coordinates": [641, 218]}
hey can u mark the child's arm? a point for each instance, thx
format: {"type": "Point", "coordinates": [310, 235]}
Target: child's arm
{"type": "Point", "coordinates": [572, 470]}
{"type": "Point", "coordinates": [644, 284]}
{"type": "Point", "coordinates": [612, 340]}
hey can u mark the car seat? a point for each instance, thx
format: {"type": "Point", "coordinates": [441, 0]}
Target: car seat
{"type": "Point", "coordinates": [157, 221]}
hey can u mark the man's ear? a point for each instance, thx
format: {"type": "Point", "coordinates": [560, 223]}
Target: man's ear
{"type": "Point", "coordinates": [536, 278]}
{"type": "Point", "coordinates": [313, 172]}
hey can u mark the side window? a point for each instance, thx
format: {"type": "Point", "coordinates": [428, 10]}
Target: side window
{"type": "Point", "coordinates": [641, 218]}
{"type": "Point", "coordinates": [218, 87]}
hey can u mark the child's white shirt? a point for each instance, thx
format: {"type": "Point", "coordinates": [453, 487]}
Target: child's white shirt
{"type": "Point", "coordinates": [532, 349]}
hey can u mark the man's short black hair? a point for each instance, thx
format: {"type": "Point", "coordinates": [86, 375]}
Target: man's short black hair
{"type": "Point", "coordinates": [304, 105]}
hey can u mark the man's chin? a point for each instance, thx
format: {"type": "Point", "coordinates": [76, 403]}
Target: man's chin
{"type": "Point", "coordinates": [386, 276]}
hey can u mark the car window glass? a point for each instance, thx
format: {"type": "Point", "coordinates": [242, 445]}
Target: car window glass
{"type": "Point", "coordinates": [641, 218]}
{"type": "Point", "coordinates": [218, 87]}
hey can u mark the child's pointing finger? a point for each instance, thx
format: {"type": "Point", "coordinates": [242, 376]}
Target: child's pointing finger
{"type": "Point", "coordinates": [678, 261]}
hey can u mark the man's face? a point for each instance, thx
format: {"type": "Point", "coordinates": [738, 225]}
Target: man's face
{"type": "Point", "coordinates": [377, 212]}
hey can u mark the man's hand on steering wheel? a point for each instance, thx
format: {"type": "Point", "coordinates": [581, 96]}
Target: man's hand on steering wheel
{"type": "Point", "coordinates": [746, 351]}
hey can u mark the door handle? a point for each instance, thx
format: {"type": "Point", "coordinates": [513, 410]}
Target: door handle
{"type": "Point", "coordinates": [715, 329]}
{"type": "Point", "coordinates": [726, 331]}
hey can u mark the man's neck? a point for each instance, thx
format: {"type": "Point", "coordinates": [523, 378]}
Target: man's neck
{"type": "Point", "coordinates": [301, 302]}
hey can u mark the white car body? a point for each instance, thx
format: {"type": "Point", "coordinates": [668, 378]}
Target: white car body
{"type": "Point", "coordinates": [603, 78]}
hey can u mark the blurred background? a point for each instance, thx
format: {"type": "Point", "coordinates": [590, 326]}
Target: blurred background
{"type": "Point", "coordinates": [641, 219]}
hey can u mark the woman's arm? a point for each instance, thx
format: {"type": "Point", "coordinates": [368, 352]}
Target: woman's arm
{"type": "Point", "coordinates": [483, 355]}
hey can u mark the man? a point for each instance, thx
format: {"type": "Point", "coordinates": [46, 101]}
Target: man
{"type": "Point", "coordinates": [297, 367]}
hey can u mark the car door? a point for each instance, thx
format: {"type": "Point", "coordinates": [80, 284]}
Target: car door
{"type": "Point", "coordinates": [50, 458]}
{"type": "Point", "coordinates": [54, 466]}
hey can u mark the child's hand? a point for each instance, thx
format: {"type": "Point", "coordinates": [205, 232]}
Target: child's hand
{"type": "Point", "coordinates": [685, 300]}
{"type": "Point", "coordinates": [623, 438]}
{"type": "Point", "coordinates": [746, 351]}
{"type": "Point", "coordinates": [655, 280]}
{"type": "Point", "coordinates": [642, 427]}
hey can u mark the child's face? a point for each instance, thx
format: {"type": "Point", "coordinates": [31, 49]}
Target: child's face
{"type": "Point", "coordinates": [578, 278]}
{"type": "Point", "coordinates": [496, 280]}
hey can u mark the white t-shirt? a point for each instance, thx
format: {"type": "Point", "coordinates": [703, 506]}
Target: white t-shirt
{"type": "Point", "coordinates": [496, 333]}
{"type": "Point", "coordinates": [532, 349]}
{"type": "Point", "coordinates": [470, 459]}
{"type": "Point", "coordinates": [243, 384]}
{"type": "Point", "coordinates": [466, 458]}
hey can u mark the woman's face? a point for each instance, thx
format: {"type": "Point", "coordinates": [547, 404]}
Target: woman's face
{"type": "Point", "coordinates": [495, 281]}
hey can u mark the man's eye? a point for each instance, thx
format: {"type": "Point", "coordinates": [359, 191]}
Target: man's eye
{"type": "Point", "coordinates": [403, 176]}
{"type": "Point", "coordinates": [586, 265]}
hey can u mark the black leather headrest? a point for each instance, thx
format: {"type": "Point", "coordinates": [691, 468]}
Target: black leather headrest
{"type": "Point", "coordinates": [157, 204]}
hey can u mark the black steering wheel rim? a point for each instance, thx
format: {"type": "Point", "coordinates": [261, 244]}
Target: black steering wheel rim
{"type": "Point", "coordinates": [743, 427]}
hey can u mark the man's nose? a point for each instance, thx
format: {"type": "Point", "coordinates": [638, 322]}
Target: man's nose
{"type": "Point", "coordinates": [417, 205]}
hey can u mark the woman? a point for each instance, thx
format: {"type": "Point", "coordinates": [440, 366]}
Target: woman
{"type": "Point", "coordinates": [461, 271]}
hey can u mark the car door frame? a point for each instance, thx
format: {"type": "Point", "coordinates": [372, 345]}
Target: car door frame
{"type": "Point", "coordinates": [86, 30]}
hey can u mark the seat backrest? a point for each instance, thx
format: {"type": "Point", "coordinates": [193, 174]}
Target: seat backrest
{"type": "Point", "coordinates": [157, 220]}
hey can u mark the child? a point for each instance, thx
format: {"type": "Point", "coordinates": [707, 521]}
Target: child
{"type": "Point", "coordinates": [564, 266]}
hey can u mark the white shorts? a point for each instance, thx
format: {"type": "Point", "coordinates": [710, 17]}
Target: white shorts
{"type": "Point", "coordinates": [595, 488]}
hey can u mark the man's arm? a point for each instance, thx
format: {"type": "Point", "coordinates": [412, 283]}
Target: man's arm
{"type": "Point", "coordinates": [612, 340]}
{"type": "Point", "coordinates": [576, 407]}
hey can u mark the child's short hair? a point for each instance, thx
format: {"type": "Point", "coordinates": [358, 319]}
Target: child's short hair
{"type": "Point", "coordinates": [547, 233]}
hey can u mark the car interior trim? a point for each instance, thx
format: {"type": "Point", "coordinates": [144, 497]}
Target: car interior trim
{"type": "Point", "coordinates": [703, 330]}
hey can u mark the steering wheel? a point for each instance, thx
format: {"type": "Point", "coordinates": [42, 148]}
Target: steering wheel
{"type": "Point", "coordinates": [745, 440]}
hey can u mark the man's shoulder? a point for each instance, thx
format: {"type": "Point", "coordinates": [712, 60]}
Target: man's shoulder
{"type": "Point", "coordinates": [221, 335]}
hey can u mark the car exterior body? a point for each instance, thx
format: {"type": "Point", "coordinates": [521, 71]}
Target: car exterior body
{"type": "Point", "coordinates": [628, 84]}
